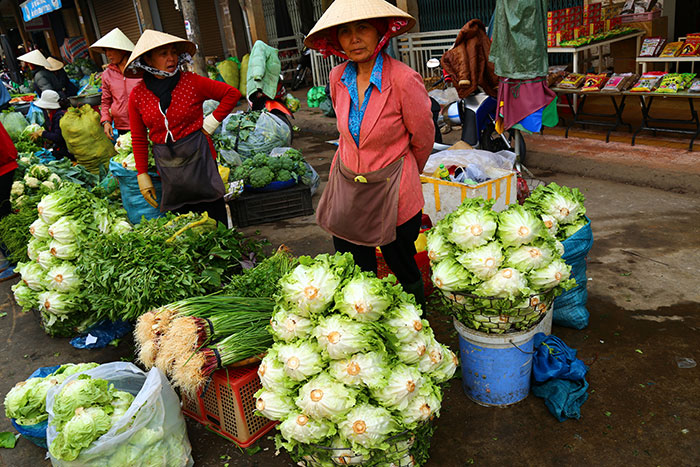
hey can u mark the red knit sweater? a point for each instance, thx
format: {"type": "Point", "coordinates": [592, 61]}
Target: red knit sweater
{"type": "Point", "coordinates": [184, 115]}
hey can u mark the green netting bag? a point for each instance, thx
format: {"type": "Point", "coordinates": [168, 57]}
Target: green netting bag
{"type": "Point", "coordinates": [243, 81]}
{"type": "Point", "coordinates": [229, 72]}
{"type": "Point", "coordinates": [14, 123]}
{"type": "Point", "coordinates": [85, 138]}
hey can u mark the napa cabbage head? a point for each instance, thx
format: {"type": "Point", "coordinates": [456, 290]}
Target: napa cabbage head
{"type": "Point", "coordinates": [411, 351]}
{"type": "Point", "coordinates": [340, 336]}
{"type": "Point", "coordinates": [446, 370]}
{"type": "Point", "coordinates": [362, 369]}
{"type": "Point", "coordinates": [424, 406]}
{"type": "Point", "coordinates": [66, 229]}
{"type": "Point", "coordinates": [40, 230]}
{"type": "Point", "coordinates": [65, 251]}
{"type": "Point", "coordinates": [365, 297]}
{"type": "Point", "coordinates": [565, 204]}
{"type": "Point", "coordinates": [401, 386]}
{"type": "Point", "coordinates": [47, 261]}
{"type": "Point", "coordinates": [288, 326]}
{"type": "Point", "coordinates": [64, 278]}
{"type": "Point", "coordinates": [449, 275]}
{"type": "Point", "coordinates": [484, 261]}
{"type": "Point", "coordinates": [303, 429]}
{"type": "Point", "coordinates": [531, 256]}
{"type": "Point", "coordinates": [58, 303]}
{"type": "Point", "coordinates": [272, 374]}
{"type": "Point", "coordinates": [404, 322]}
{"type": "Point", "coordinates": [79, 432]}
{"type": "Point", "coordinates": [432, 358]}
{"type": "Point", "coordinates": [33, 275]}
{"type": "Point", "coordinates": [301, 359]}
{"type": "Point", "coordinates": [506, 283]}
{"type": "Point", "coordinates": [368, 426]}
{"type": "Point", "coordinates": [437, 245]}
{"type": "Point", "coordinates": [551, 223]}
{"type": "Point", "coordinates": [517, 226]}
{"type": "Point", "coordinates": [273, 405]}
{"type": "Point", "coordinates": [473, 224]}
{"type": "Point", "coordinates": [323, 397]}
{"type": "Point", "coordinates": [311, 286]}
{"type": "Point", "coordinates": [555, 273]}
{"type": "Point", "coordinates": [34, 247]}
{"type": "Point", "coordinates": [83, 391]}
{"type": "Point", "coordinates": [25, 297]}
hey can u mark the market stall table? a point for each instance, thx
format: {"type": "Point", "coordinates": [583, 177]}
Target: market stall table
{"type": "Point", "coordinates": [649, 123]}
{"type": "Point", "coordinates": [611, 120]}
{"type": "Point", "coordinates": [644, 61]}
{"type": "Point", "coordinates": [598, 46]}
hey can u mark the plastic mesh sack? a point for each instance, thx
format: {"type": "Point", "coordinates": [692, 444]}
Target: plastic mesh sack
{"type": "Point", "coordinates": [85, 138]}
{"type": "Point", "coordinates": [156, 407]}
{"type": "Point", "coordinates": [270, 132]}
{"type": "Point", "coordinates": [134, 203]}
{"type": "Point", "coordinates": [570, 307]}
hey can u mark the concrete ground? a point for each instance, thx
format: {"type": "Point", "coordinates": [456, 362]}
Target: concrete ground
{"type": "Point", "coordinates": [644, 300]}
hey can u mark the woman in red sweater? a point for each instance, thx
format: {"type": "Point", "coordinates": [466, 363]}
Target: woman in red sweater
{"type": "Point", "coordinates": [8, 164]}
{"type": "Point", "coordinates": [167, 109]}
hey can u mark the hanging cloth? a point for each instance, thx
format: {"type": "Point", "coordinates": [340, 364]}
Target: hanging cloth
{"type": "Point", "coordinates": [519, 48]}
{"type": "Point", "coordinates": [519, 98]}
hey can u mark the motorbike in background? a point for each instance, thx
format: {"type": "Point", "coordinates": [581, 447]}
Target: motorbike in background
{"type": "Point", "coordinates": [302, 70]}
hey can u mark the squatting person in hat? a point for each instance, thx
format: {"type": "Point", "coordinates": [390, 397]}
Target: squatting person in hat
{"type": "Point", "coordinates": [54, 108]}
{"type": "Point", "coordinates": [168, 103]}
{"type": "Point", "coordinates": [42, 77]}
{"type": "Point", "coordinates": [374, 196]}
{"type": "Point", "coordinates": [66, 86]}
{"type": "Point", "coordinates": [114, 111]}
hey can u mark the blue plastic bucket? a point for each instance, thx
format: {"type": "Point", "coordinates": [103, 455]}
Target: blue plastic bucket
{"type": "Point", "coordinates": [496, 368]}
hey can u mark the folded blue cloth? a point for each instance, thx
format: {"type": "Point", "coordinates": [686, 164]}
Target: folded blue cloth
{"type": "Point", "coordinates": [562, 397]}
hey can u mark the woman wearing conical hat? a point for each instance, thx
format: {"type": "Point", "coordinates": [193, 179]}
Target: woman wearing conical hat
{"type": "Point", "coordinates": [374, 195]}
{"type": "Point", "coordinates": [168, 105]}
{"type": "Point", "coordinates": [67, 88]}
{"type": "Point", "coordinates": [42, 77]}
{"type": "Point", "coordinates": [114, 112]}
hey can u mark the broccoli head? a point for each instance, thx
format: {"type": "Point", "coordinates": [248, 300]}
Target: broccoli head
{"type": "Point", "coordinates": [284, 175]}
{"type": "Point", "coordinates": [261, 176]}
{"type": "Point", "coordinates": [287, 162]}
{"type": "Point", "coordinates": [260, 160]}
{"type": "Point", "coordinates": [275, 164]}
{"type": "Point", "coordinates": [241, 173]}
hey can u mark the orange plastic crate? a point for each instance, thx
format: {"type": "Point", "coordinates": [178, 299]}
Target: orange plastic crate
{"type": "Point", "coordinates": [227, 406]}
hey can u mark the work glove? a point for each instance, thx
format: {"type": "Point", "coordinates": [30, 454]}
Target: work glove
{"type": "Point", "coordinates": [210, 124]}
{"type": "Point", "coordinates": [147, 190]}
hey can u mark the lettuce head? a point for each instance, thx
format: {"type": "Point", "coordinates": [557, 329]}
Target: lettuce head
{"type": "Point", "coordinates": [341, 336]}
{"type": "Point", "coordinates": [25, 297]}
{"type": "Point", "coordinates": [484, 261]}
{"type": "Point", "coordinates": [287, 326]}
{"type": "Point", "coordinates": [365, 297]}
{"type": "Point", "coordinates": [401, 386]}
{"type": "Point", "coordinates": [79, 432]}
{"type": "Point", "coordinates": [311, 286]}
{"type": "Point", "coordinates": [83, 391]}
{"type": "Point", "coordinates": [275, 406]}
{"type": "Point", "coordinates": [506, 283]}
{"type": "Point", "coordinates": [64, 278]}
{"type": "Point", "coordinates": [438, 246]}
{"type": "Point", "coordinates": [303, 429]}
{"type": "Point", "coordinates": [40, 230]}
{"type": "Point", "coordinates": [404, 322]}
{"type": "Point", "coordinates": [532, 256]}
{"type": "Point", "coordinates": [518, 226]}
{"type": "Point", "coordinates": [301, 359]}
{"type": "Point", "coordinates": [369, 369]}
{"type": "Point", "coordinates": [565, 204]}
{"type": "Point", "coordinates": [323, 397]}
{"type": "Point", "coordinates": [368, 426]}
{"type": "Point", "coordinates": [449, 275]}
{"type": "Point", "coordinates": [555, 273]}
{"type": "Point", "coordinates": [473, 224]}
{"type": "Point", "coordinates": [424, 406]}
{"type": "Point", "coordinates": [272, 374]}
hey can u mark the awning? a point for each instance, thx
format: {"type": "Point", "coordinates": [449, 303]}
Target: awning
{"type": "Point", "coordinates": [34, 8]}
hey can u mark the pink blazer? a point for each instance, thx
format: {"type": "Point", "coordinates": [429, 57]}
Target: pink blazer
{"type": "Point", "coordinates": [397, 122]}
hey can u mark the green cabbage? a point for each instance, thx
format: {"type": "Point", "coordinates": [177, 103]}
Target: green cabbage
{"type": "Point", "coordinates": [79, 432]}
{"type": "Point", "coordinates": [324, 397]}
{"type": "Point", "coordinates": [83, 391]}
{"type": "Point", "coordinates": [518, 226]}
{"type": "Point", "coordinates": [472, 224]}
{"type": "Point", "coordinates": [483, 261]}
{"type": "Point", "coordinates": [506, 283]}
{"type": "Point", "coordinates": [365, 297]}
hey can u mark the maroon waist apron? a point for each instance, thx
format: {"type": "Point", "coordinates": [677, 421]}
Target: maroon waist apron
{"type": "Point", "coordinates": [188, 171]}
{"type": "Point", "coordinates": [361, 208]}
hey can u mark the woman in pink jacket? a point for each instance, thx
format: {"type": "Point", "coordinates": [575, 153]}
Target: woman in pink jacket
{"type": "Point", "coordinates": [116, 87]}
{"type": "Point", "coordinates": [374, 196]}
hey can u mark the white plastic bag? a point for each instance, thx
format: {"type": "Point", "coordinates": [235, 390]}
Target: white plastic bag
{"type": "Point", "coordinates": [156, 407]}
{"type": "Point", "coordinates": [270, 132]}
{"type": "Point", "coordinates": [462, 157]}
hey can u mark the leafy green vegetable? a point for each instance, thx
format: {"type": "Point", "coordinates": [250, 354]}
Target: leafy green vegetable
{"type": "Point", "coordinates": [8, 440]}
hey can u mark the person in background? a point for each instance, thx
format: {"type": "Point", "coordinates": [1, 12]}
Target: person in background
{"type": "Point", "coordinates": [67, 88]}
{"type": "Point", "coordinates": [374, 195]}
{"type": "Point", "coordinates": [43, 78]}
{"type": "Point", "coordinates": [115, 86]}
{"type": "Point", "coordinates": [54, 109]}
{"type": "Point", "coordinates": [167, 109]}
{"type": "Point", "coordinates": [8, 164]}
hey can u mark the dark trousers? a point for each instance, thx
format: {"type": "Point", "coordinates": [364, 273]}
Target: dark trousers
{"type": "Point", "coordinates": [5, 190]}
{"type": "Point", "coordinates": [399, 254]}
{"type": "Point", "coordinates": [215, 209]}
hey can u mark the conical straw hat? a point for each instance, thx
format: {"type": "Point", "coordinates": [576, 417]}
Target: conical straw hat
{"type": "Point", "coordinates": [150, 40]}
{"type": "Point", "coordinates": [347, 11]}
{"type": "Point", "coordinates": [115, 39]}
{"type": "Point", "coordinates": [35, 58]}
{"type": "Point", "coordinates": [54, 65]}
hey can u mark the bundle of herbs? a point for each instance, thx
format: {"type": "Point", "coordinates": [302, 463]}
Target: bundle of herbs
{"type": "Point", "coordinates": [161, 261]}
{"type": "Point", "coordinates": [261, 281]}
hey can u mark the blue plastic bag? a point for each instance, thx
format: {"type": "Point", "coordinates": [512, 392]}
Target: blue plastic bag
{"type": "Point", "coordinates": [134, 203]}
{"type": "Point", "coordinates": [570, 307]}
{"type": "Point", "coordinates": [101, 334]}
{"type": "Point", "coordinates": [35, 115]}
{"type": "Point", "coordinates": [36, 433]}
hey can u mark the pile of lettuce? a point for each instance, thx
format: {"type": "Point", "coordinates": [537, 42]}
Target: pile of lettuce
{"type": "Point", "coordinates": [68, 221]}
{"type": "Point", "coordinates": [508, 260]}
{"type": "Point", "coordinates": [560, 207]}
{"type": "Point", "coordinates": [125, 153]}
{"type": "Point", "coordinates": [84, 410]}
{"type": "Point", "coordinates": [26, 401]}
{"type": "Point", "coordinates": [353, 364]}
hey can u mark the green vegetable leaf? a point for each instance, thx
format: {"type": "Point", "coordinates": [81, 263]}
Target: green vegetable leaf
{"type": "Point", "coordinates": [8, 440]}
